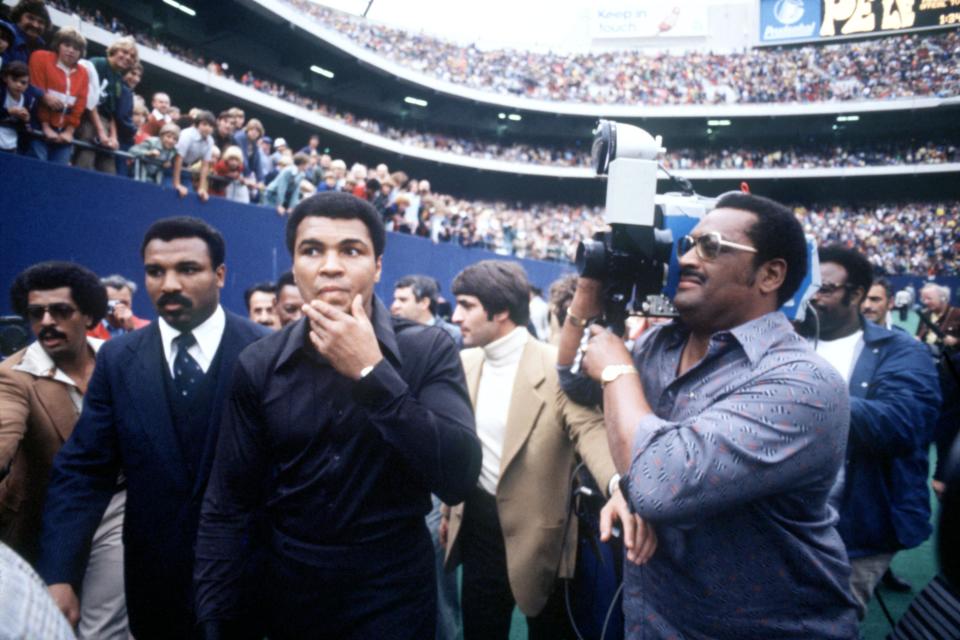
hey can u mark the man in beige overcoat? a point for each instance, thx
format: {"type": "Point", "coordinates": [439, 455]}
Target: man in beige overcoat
{"type": "Point", "coordinates": [514, 534]}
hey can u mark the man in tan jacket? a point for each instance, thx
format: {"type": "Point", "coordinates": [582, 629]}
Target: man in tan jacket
{"type": "Point", "coordinates": [514, 534]}
{"type": "Point", "coordinates": [41, 392]}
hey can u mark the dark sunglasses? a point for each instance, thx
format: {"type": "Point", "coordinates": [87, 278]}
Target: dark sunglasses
{"type": "Point", "coordinates": [708, 245]}
{"type": "Point", "coordinates": [57, 310]}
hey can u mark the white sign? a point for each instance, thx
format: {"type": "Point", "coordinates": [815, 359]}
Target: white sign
{"type": "Point", "coordinates": [648, 19]}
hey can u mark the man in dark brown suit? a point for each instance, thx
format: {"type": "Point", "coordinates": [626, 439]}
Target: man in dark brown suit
{"type": "Point", "coordinates": [41, 392]}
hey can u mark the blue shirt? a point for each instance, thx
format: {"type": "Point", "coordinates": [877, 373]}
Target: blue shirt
{"type": "Point", "coordinates": [733, 468]}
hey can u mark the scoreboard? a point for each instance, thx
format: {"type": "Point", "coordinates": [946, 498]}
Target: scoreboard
{"type": "Point", "coordinates": [823, 20]}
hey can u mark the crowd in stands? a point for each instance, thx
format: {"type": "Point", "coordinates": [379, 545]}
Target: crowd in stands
{"type": "Point", "coordinates": [893, 67]}
{"type": "Point", "coordinates": [897, 238]}
{"type": "Point", "coordinates": [900, 152]}
{"type": "Point", "coordinates": [228, 155]}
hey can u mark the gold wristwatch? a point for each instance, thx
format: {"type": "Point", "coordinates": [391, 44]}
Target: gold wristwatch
{"type": "Point", "coordinates": [613, 371]}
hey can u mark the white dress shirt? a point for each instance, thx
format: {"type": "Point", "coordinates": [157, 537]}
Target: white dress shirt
{"type": "Point", "coordinates": [208, 336]}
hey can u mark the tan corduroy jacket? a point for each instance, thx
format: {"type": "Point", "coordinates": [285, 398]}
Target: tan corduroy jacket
{"type": "Point", "coordinates": [544, 432]}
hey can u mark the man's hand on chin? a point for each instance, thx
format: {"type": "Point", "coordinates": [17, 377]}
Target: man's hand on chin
{"type": "Point", "coordinates": [346, 340]}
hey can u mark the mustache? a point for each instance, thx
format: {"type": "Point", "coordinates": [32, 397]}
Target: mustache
{"type": "Point", "coordinates": [690, 272]}
{"type": "Point", "coordinates": [50, 332]}
{"type": "Point", "coordinates": [174, 298]}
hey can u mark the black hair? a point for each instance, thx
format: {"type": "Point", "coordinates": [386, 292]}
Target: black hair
{"type": "Point", "coordinates": [15, 69]}
{"type": "Point", "coordinates": [777, 234]}
{"type": "Point", "coordinates": [204, 116]}
{"type": "Point", "coordinates": [885, 283]}
{"type": "Point", "coordinates": [499, 285]}
{"type": "Point", "coordinates": [263, 287]}
{"type": "Point", "coordinates": [169, 229]}
{"type": "Point", "coordinates": [422, 287]}
{"type": "Point", "coordinates": [33, 7]}
{"type": "Point", "coordinates": [285, 280]}
{"type": "Point", "coordinates": [858, 268]}
{"type": "Point", "coordinates": [340, 206]}
{"type": "Point", "coordinates": [85, 287]}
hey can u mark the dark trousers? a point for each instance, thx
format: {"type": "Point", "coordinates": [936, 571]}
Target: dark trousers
{"type": "Point", "coordinates": [487, 601]}
{"type": "Point", "coordinates": [384, 590]}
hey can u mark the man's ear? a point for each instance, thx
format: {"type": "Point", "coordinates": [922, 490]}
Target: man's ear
{"type": "Point", "coordinates": [221, 273]}
{"type": "Point", "coordinates": [770, 275]}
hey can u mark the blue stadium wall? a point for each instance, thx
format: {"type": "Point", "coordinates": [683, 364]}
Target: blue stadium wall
{"type": "Point", "coordinates": [50, 212]}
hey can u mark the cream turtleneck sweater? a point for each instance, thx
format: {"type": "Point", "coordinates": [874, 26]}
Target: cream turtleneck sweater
{"type": "Point", "coordinates": [501, 361]}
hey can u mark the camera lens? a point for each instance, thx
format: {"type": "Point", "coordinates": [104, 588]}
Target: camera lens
{"type": "Point", "coordinates": [591, 259]}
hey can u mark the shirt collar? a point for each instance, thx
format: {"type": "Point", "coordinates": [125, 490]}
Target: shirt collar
{"type": "Point", "coordinates": [38, 362]}
{"type": "Point", "coordinates": [299, 340]}
{"type": "Point", "coordinates": [67, 70]}
{"type": "Point", "coordinates": [755, 336]}
{"type": "Point", "coordinates": [508, 348]}
{"type": "Point", "coordinates": [208, 334]}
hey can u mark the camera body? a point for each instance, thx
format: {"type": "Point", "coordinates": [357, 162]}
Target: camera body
{"type": "Point", "coordinates": [635, 257]}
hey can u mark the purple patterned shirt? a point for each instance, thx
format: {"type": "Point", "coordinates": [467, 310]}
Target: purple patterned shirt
{"type": "Point", "coordinates": [734, 470]}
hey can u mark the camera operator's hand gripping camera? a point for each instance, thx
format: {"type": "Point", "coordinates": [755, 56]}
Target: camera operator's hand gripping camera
{"type": "Point", "coordinates": [634, 257]}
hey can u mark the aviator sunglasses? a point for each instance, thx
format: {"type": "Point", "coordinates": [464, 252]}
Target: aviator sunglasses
{"type": "Point", "coordinates": [57, 310]}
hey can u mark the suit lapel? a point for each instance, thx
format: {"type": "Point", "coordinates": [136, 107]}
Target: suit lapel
{"type": "Point", "coordinates": [526, 403]}
{"type": "Point", "coordinates": [144, 374]}
{"type": "Point", "coordinates": [56, 401]}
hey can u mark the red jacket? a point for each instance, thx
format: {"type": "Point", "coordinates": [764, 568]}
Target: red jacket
{"type": "Point", "coordinates": [47, 75]}
{"type": "Point", "coordinates": [101, 332]}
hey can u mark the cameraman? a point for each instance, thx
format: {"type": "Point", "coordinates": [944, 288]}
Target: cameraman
{"type": "Point", "coordinates": [936, 301]}
{"type": "Point", "coordinates": [729, 432]}
{"type": "Point", "coordinates": [119, 319]}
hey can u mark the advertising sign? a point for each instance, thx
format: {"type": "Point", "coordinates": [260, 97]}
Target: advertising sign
{"type": "Point", "coordinates": [795, 20]}
{"type": "Point", "coordinates": [647, 18]}
{"type": "Point", "coordinates": [785, 20]}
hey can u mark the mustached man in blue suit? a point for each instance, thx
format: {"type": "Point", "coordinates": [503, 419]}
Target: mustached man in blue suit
{"type": "Point", "coordinates": [151, 415]}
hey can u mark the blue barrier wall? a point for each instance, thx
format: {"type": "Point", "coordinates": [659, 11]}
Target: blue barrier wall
{"type": "Point", "coordinates": [50, 212]}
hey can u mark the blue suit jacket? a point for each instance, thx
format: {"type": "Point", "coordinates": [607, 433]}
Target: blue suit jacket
{"type": "Point", "coordinates": [894, 402]}
{"type": "Point", "coordinates": [126, 427]}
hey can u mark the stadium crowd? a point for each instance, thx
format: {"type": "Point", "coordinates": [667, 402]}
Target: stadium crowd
{"type": "Point", "coordinates": [230, 156]}
{"type": "Point", "coordinates": [892, 67]}
{"type": "Point", "coordinates": [787, 157]}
